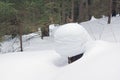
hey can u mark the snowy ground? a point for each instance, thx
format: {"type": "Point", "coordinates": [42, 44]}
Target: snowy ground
{"type": "Point", "coordinates": [39, 61]}
{"type": "Point", "coordinates": [100, 30]}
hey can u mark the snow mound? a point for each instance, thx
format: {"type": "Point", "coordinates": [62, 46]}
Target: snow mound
{"type": "Point", "coordinates": [93, 18]}
{"type": "Point", "coordinates": [70, 39]}
{"type": "Point", "coordinates": [52, 29]}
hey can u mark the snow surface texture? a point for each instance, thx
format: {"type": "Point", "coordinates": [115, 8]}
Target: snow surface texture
{"type": "Point", "coordinates": [100, 62]}
{"type": "Point", "coordinates": [37, 65]}
{"type": "Point", "coordinates": [52, 29]}
{"type": "Point", "coordinates": [39, 61]}
{"type": "Point", "coordinates": [71, 39]}
{"type": "Point", "coordinates": [100, 30]}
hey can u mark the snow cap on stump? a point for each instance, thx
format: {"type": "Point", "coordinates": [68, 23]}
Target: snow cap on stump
{"type": "Point", "coordinates": [70, 39]}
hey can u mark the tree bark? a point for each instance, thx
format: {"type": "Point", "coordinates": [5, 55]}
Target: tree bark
{"type": "Point", "coordinates": [89, 7]}
{"type": "Point", "coordinates": [110, 11]}
{"type": "Point", "coordinates": [20, 34]}
{"type": "Point", "coordinates": [80, 10]}
{"type": "Point", "coordinates": [72, 11]}
{"type": "Point", "coordinates": [63, 12]}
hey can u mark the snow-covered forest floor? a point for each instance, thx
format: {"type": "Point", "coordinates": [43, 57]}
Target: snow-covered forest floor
{"type": "Point", "coordinates": [39, 61]}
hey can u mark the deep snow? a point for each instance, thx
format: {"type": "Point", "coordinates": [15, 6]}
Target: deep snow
{"type": "Point", "coordinates": [101, 62]}
{"type": "Point", "coordinates": [39, 61]}
{"type": "Point", "coordinates": [37, 65]}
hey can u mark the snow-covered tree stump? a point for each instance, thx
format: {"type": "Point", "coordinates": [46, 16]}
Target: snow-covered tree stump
{"type": "Point", "coordinates": [70, 41]}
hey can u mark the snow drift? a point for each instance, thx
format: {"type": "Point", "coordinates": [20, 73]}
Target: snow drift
{"type": "Point", "coordinates": [100, 62]}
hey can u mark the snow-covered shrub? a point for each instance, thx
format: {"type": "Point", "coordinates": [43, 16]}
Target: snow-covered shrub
{"type": "Point", "coordinates": [52, 29]}
{"type": "Point", "coordinates": [93, 18]}
{"type": "Point", "coordinates": [70, 39]}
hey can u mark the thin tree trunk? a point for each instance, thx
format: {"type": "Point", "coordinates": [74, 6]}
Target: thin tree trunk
{"type": "Point", "coordinates": [63, 12]}
{"type": "Point", "coordinates": [89, 7]}
{"type": "Point", "coordinates": [17, 22]}
{"type": "Point", "coordinates": [51, 18]}
{"type": "Point", "coordinates": [80, 10]}
{"type": "Point", "coordinates": [114, 8]}
{"type": "Point", "coordinates": [20, 34]}
{"type": "Point", "coordinates": [110, 11]}
{"type": "Point", "coordinates": [72, 11]}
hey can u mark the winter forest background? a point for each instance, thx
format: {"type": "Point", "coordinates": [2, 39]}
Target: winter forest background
{"type": "Point", "coordinates": [32, 14]}
{"type": "Point", "coordinates": [59, 39]}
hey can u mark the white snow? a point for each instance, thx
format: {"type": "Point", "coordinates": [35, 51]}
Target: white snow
{"type": "Point", "coordinates": [71, 39]}
{"type": "Point", "coordinates": [93, 18]}
{"type": "Point", "coordinates": [100, 30]}
{"type": "Point", "coordinates": [101, 62]}
{"type": "Point", "coordinates": [52, 29]}
{"type": "Point", "coordinates": [39, 61]}
{"type": "Point", "coordinates": [37, 65]}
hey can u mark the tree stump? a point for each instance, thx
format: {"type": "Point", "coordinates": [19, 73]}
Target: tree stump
{"type": "Point", "coordinates": [74, 58]}
{"type": "Point", "coordinates": [45, 31]}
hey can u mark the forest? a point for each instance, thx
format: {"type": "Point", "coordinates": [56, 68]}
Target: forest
{"type": "Point", "coordinates": [32, 14]}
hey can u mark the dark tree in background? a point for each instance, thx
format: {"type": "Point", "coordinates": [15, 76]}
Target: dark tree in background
{"type": "Point", "coordinates": [110, 11]}
{"type": "Point", "coordinates": [35, 13]}
{"type": "Point", "coordinates": [72, 11]}
{"type": "Point", "coordinates": [114, 7]}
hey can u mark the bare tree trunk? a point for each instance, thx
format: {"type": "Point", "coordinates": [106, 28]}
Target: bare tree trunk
{"type": "Point", "coordinates": [114, 8]}
{"type": "Point", "coordinates": [51, 18]}
{"type": "Point", "coordinates": [17, 22]}
{"type": "Point", "coordinates": [88, 13]}
{"type": "Point", "coordinates": [20, 34]}
{"type": "Point", "coordinates": [63, 12]}
{"type": "Point", "coordinates": [110, 11]}
{"type": "Point", "coordinates": [80, 10]}
{"type": "Point", "coordinates": [72, 11]}
{"type": "Point", "coordinates": [89, 7]}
